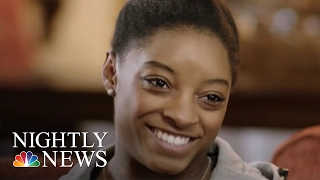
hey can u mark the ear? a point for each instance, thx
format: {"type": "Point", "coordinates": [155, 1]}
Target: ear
{"type": "Point", "coordinates": [109, 73]}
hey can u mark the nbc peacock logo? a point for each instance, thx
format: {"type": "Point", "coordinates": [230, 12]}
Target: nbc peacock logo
{"type": "Point", "coordinates": [26, 160]}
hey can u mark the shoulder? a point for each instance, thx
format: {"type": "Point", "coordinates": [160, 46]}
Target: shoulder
{"type": "Point", "coordinates": [230, 166]}
{"type": "Point", "coordinates": [270, 170]}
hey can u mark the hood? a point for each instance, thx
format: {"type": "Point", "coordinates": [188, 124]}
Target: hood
{"type": "Point", "coordinates": [231, 167]}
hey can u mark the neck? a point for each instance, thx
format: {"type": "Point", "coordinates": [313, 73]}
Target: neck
{"type": "Point", "coordinates": [123, 166]}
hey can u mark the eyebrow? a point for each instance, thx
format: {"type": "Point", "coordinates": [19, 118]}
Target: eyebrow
{"type": "Point", "coordinates": [165, 67]}
{"type": "Point", "coordinates": [218, 81]}
{"type": "Point", "coordinates": [158, 65]}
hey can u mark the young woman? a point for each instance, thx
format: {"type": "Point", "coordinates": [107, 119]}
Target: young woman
{"type": "Point", "coordinates": [171, 69]}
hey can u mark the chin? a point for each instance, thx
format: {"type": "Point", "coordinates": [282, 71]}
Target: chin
{"type": "Point", "coordinates": [169, 168]}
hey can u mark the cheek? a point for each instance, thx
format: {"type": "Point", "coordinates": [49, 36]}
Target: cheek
{"type": "Point", "coordinates": [125, 105]}
{"type": "Point", "coordinates": [212, 122]}
{"type": "Point", "coordinates": [147, 103]}
{"type": "Point", "coordinates": [133, 103]}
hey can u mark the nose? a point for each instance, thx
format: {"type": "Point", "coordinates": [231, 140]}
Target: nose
{"type": "Point", "coordinates": [181, 111]}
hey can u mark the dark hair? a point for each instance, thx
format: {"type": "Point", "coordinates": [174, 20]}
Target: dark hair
{"type": "Point", "coordinates": [140, 19]}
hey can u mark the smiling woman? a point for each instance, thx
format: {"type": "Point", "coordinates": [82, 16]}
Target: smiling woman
{"type": "Point", "coordinates": [170, 71]}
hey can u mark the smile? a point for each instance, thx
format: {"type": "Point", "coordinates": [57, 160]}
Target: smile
{"type": "Point", "coordinates": [170, 138]}
{"type": "Point", "coordinates": [172, 143]}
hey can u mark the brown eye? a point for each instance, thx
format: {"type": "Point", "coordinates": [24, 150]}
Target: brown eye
{"type": "Point", "coordinates": [158, 83]}
{"type": "Point", "coordinates": [213, 98]}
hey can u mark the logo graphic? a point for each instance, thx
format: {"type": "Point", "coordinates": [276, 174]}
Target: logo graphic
{"type": "Point", "coordinates": [63, 157]}
{"type": "Point", "coordinates": [26, 160]}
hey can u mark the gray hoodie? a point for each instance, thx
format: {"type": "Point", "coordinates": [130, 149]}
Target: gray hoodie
{"type": "Point", "coordinates": [229, 167]}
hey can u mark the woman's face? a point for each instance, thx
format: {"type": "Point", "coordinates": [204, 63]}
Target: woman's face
{"type": "Point", "coordinates": [171, 99]}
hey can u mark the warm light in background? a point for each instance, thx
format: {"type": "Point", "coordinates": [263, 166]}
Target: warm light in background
{"type": "Point", "coordinates": [280, 42]}
{"type": "Point", "coordinates": [73, 59]}
{"type": "Point", "coordinates": [19, 31]}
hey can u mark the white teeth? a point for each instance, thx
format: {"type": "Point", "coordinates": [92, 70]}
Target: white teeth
{"type": "Point", "coordinates": [183, 140]}
{"type": "Point", "coordinates": [159, 134]}
{"type": "Point", "coordinates": [187, 140]}
{"type": "Point", "coordinates": [177, 141]}
{"type": "Point", "coordinates": [171, 139]}
{"type": "Point", "coordinates": [164, 136]}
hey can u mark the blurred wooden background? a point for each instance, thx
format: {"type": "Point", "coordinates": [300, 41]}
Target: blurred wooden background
{"type": "Point", "coordinates": [51, 56]}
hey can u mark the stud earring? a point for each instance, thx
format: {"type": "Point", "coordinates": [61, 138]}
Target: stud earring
{"type": "Point", "coordinates": [110, 92]}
